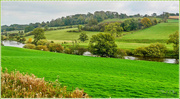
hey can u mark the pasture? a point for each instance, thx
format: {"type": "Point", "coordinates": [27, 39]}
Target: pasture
{"type": "Point", "coordinates": [99, 77]}
{"type": "Point", "coordinates": [132, 40]}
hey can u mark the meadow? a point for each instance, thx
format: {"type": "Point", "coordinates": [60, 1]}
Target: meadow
{"type": "Point", "coordinates": [131, 40]}
{"type": "Point", "coordinates": [99, 77]}
{"type": "Point", "coordinates": [157, 32]}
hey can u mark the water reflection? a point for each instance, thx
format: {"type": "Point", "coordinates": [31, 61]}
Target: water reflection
{"type": "Point", "coordinates": [12, 43]}
{"type": "Point", "coordinates": [165, 60]}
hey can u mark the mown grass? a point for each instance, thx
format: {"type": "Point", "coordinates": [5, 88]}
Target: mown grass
{"type": "Point", "coordinates": [99, 77]}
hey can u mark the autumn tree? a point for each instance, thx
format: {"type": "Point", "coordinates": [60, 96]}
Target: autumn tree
{"type": "Point", "coordinates": [146, 22]}
{"type": "Point", "coordinates": [29, 40]}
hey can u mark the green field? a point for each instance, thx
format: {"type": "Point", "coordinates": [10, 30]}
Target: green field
{"type": "Point", "coordinates": [64, 35]}
{"type": "Point", "coordinates": [99, 77]}
{"type": "Point", "coordinates": [158, 32]}
{"type": "Point", "coordinates": [132, 40]}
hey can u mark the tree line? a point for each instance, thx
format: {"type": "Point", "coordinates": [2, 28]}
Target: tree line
{"type": "Point", "coordinates": [79, 19]}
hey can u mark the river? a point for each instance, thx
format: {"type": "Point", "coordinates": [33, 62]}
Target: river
{"type": "Point", "coordinates": [165, 60]}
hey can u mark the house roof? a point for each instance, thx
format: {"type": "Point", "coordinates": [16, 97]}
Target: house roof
{"type": "Point", "coordinates": [173, 17]}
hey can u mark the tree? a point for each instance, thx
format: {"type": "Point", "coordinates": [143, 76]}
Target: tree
{"type": "Point", "coordinates": [92, 22]}
{"type": "Point", "coordinates": [28, 28]}
{"type": "Point", "coordinates": [154, 22]}
{"type": "Point", "coordinates": [133, 24]}
{"type": "Point", "coordinates": [103, 45]}
{"type": "Point", "coordinates": [38, 34]}
{"type": "Point", "coordinates": [126, 25]}
{"type": "Point", "coordinates": [79, 28]}
{"type": "Point", "coordinates": [46, 28]}
{"type": "Point", "coordinates": [29, 40]}
{"type": "Point", "coordinates": [114, 28]}
{"type": "Point", "coordinates": [146, 22]}
{"type": "Point", "coordinates": [83, 37]}
{"type": "Point", "coordinates": [174, 39]}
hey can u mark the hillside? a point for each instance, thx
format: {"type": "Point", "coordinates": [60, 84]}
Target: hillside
{"type": "Point", "coordinates": [100, 77]}
{"type": "Point", "coordinates": [159, 32]}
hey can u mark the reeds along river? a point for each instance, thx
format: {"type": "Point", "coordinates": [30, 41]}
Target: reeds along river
{"type": "Point", "coordinates": [165, 60]}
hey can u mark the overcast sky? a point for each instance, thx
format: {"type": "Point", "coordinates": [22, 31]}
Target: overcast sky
{"type": "Point", "coordinates": [25, 12]}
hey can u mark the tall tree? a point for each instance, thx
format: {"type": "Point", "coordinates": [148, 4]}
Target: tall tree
{"type": "Point", "coordinates": [174, 39]}
{"type": "Point", "coordinates": [38, 34]}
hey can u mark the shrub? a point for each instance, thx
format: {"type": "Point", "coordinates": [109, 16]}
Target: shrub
{"type": "Point", "coordinates": [156, 50]}
{"type": "Point", "coordinates": [59, 48]}
{"type": "Point", "coordinates": [42, 42]}
{"type": "Point", "coordinates": [153, 50]}
{"type": "Point", "coordinates": [42, 47]}
{"type": "Point", "coordinates": [81, 51]}
{"type": "Point", "coordinates": [29, 46]}
{"type": "Point", "coordinates": [52, 47]}
{"type": "Point", "coordinates": [141, 51]}
{"type": "Point", "coordinates": [55, 47]}
{"type": "Point", "coordinates": [129, 52]}
{"type": "Point", "coordinates": [120, 53]}
{"type": "Point", "coordinates": [68, 51]}
{"type": "Point", "coordinates": [29, 40]}
{"type": "Point", "coordinates": [18, 85]}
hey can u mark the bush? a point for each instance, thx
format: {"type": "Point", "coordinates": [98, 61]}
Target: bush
{"type": "Point", "coordinates": [29, 46]}
{"type": "Point", "coordinates": [68, 51]}
{"type": "Point", "coordinates": [52, 47]}
{"type": "Point", "coordinates": [141, 51]}
{"type": "Point", "coordinates": [29, 40]}
{"type": "Point", "coordinates": [59, 48]}
{"type": "Point", "coordinates": [81, 51]}
{"type": "Point", "coordinates": [42, 47]}
{"type": "Point", "coordinates": [129, 52]}
{"type": "Point", "coordinates": [153, 50]}
{"type": "Point", "coordinates": [42, 42]}
{"type": "Point", "coordinates": [120, 53]}
{"type": "Point", "coordinates": [17, 85]}
{"type": "Point", "coordinates": [156, 50]}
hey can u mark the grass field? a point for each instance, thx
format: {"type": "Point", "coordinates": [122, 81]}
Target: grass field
{"type": "Point", "coordinates": [64, 35]}
{"type": "Point", "coordinates": [158, 32]}
{"type": "Point", "coordinates": [133, 39]}
{"type": "Point", "coordinates": [99, 77]}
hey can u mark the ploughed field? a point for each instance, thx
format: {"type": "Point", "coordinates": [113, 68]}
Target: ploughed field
{"type": "Point", "coordinates": [99, 77]}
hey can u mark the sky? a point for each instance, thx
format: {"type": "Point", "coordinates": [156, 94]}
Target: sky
{"type": "Point", "coordinates": [25, 12]}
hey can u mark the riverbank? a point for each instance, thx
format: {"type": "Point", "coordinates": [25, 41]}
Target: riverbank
{"type": "Point", "coordinates": [165, 59]}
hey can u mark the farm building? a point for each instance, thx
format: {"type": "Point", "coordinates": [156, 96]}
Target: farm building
{"type": "Point", "coordinates": [174, 17]}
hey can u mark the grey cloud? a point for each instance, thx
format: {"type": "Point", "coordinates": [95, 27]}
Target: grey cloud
{"type": "Point", "coordinates": [24, 12]}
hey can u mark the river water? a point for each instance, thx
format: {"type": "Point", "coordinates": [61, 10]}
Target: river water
{"type": "Point", "coordinates": [165, 60]}
{"type": "Point", "coordinates": [13, 44]}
